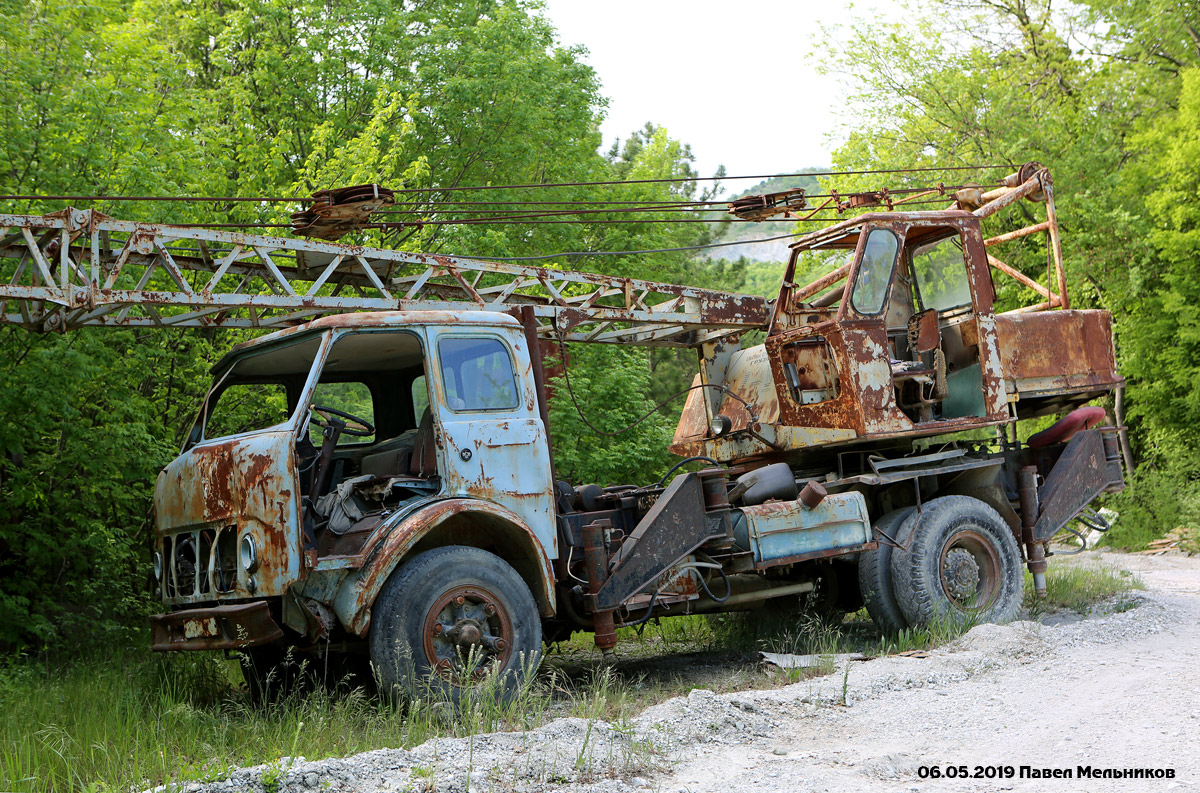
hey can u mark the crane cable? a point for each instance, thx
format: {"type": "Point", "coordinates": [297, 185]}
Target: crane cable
{"type": "Point", "coordinates": [532, 186]}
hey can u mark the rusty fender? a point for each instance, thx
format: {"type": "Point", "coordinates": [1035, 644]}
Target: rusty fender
{"type": "Point", "coordinates": [358, 591]}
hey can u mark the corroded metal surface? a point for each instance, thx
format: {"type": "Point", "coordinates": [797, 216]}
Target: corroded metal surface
{"type": "Point", "coordinates": [245, 486]}
{"type": "Point", "coordinates": [783, 532]}
{"type": "Point", "coordinates": [1087, 467]}
{"type": "Point", "coordinates": [335, 213]}
{"type": "Point", "coordinates": [214, 628]}
{"type": "Point", "coordinates": [453, 521]}
{"type": "Point", "coordinates": [467, 634]}
{"type": "Point", "coordinates": [828, 374]}
{"type": "Point", "coordinates": [674, 527]}
{"type": "Point", "coordinates": [1050, 352]}
{"type": "Point", "coordinates": [500, 455]}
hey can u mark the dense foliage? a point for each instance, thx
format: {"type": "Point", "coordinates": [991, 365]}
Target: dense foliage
{"type": "Point", "coordinates": [1106, 93]}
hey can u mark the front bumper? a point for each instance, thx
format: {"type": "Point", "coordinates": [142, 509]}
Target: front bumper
{"type": "Point", "coordinates": [215, 628]}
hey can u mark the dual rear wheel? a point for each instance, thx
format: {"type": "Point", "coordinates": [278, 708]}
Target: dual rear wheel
{"type": "Point", "coordinates": [957, 560]}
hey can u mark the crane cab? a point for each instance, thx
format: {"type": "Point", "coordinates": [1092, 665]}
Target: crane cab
{"type": "Point", "coordinates": [897, 340]}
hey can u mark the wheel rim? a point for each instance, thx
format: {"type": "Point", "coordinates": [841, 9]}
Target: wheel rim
{"type": "Point", "coordinates": [970, 571]}
{"type": "Point", "coordinates": [467, 634]}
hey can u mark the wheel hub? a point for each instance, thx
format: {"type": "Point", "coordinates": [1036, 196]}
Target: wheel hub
{"type": "Point", "coordinates": [960, 572]}
{"type": "Point", "coordinates": [467, 633]}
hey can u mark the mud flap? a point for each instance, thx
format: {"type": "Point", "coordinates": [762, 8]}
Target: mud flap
{"type": "Point", "coordinates": [1087, 468]}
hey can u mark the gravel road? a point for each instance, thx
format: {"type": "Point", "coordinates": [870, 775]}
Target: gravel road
{"type": "Point", "coordinates": [1115, 691]}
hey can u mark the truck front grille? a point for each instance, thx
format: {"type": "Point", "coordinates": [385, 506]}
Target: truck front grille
{"type": "Point", "coordinates": [200, 563]}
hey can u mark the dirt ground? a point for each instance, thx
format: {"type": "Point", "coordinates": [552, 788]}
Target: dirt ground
{"type": "Point", "coordinates": [1114, 691]}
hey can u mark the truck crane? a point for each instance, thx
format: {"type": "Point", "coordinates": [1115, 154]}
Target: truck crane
{"type": "Point", "coordinates": [374, 477]}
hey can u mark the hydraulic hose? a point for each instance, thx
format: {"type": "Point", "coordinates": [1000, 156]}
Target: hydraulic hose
{"type": "Point", "coordinates": [684, 462]}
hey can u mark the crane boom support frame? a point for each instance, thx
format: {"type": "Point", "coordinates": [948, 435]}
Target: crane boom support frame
{"type": "Point", "coordinates": [79, 268]}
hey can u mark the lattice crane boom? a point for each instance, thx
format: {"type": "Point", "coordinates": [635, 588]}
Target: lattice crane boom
{"type": "Point", "coordinates": [79, 268]}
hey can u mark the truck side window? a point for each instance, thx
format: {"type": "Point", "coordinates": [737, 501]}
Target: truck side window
{"type": "Point", "coordinates": [352, 397]}
{"type": "Point", "coordinates": [478, 374]}
{"type": "Point", "coordinates": [242, 407]}
{"type": "Point", "coordinates": [941, 274]}
{"type": "Point", "coordinates": [875, 271]}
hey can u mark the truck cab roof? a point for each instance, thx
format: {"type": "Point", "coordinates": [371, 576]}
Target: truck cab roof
{"type": "Point", "coordinates": [365, 320]}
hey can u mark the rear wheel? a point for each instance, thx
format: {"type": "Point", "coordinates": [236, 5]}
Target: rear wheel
{"type": "Point", "coordinates": [961, 562]}
{"type": "Point", "coordinates": [450, 619]}
{"type": "Point", "coordinates": [875, 574]}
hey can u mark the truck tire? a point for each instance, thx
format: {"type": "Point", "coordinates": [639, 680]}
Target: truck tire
{"type": "Point", "coordinates": [961, 562]}
{"type": "Point", "coordinates": [449, 618]}
{"type": "Point", "coordinates": [875, 575]}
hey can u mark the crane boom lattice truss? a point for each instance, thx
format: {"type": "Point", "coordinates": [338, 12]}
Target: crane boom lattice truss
{"type": "Point", "coordinates": [78, 268]}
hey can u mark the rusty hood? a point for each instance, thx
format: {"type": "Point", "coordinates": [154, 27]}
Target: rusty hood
{"type": "Point", "coordinates": [247, 483]}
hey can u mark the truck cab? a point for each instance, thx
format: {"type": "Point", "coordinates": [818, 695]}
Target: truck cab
{"type": "Point", "coordinates": [324, 454]}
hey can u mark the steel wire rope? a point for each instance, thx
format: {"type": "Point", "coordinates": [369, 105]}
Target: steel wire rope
{"type": "Point", "coordinates": [535, 218]}
{"type": "Point", "coordinates": [706, 178]}
{"type": "Point", "coordinates": [635, 253]}
{"type": "Point", "coordinates": [531, 186]}
{"type": "Point", "coordinates": [647, 206]}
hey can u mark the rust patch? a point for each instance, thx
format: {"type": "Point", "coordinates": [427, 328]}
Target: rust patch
{"type": "Point", "coordinates": [1058, 351]}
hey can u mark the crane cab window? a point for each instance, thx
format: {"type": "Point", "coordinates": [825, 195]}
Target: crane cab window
{"type": "Point", "coordinates": [875, 271]}
{"type": "Point", "coordinates": [941, 377]}
{"type": "Point", "coordinates": [941, 275]}
{"type": "Point", "coordinates": [478, 374]}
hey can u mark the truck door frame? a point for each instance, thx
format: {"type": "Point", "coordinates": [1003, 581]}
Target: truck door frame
{"type": "Point", "coordinates": [880, 411]}
{"type": "Point", "coordinates": [501, 455]}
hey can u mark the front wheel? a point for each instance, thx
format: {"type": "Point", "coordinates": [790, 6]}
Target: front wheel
{"type": "Point", "coordinates": [960, 561]}
{"type": "Point", "coordinates": [450, 619]}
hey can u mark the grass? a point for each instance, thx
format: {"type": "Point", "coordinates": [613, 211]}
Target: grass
{"type": "Point", "coordinates": [133, 722]}
{"type": "Point", "coordinates": [137, 722]}
{"type": "Point", "coordinates": [1079, 588]}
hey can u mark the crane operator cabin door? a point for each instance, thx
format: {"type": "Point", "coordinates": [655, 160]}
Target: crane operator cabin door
{"type": "Point", "coordinates": [494, 443]}
{"type": "Point", "coordinates": [916, 289]}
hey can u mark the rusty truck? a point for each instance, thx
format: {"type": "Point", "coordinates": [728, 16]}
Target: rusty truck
{"type": "Point", "coordinates": [374, 479]}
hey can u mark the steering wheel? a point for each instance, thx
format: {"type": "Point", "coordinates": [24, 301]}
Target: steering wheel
{"type": "Point", "coordinates": [358, 428]}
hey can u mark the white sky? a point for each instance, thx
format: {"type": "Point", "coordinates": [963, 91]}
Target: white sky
{"type": "Point", "coordinates": [730, 78]}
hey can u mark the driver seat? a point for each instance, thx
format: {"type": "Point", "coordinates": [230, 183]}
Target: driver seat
{"type": "Point", "coordinates": [413, 454]}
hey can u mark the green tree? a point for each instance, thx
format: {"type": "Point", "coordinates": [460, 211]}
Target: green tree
{"type": "Point", "coordinates": [270, 98]}
{"type": "Point", "coordinates": [1163, 355]}
{"type": "Point", "coordinates": [612, 384]}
